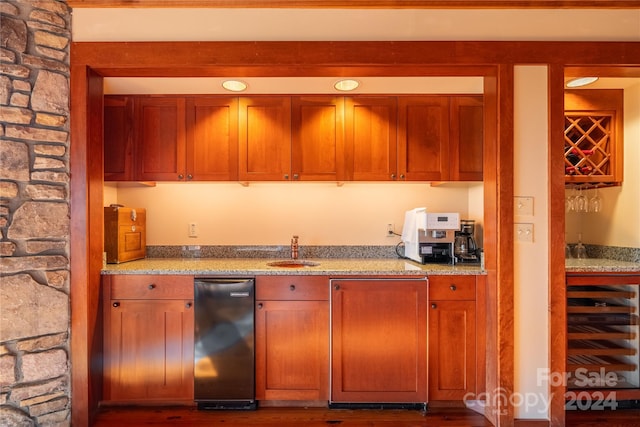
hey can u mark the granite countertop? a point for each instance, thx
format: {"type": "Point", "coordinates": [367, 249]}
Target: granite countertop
{"type": "Point", "coordinates": [600, 265]}
{"type": "Point", "coordinates": [258, 266]}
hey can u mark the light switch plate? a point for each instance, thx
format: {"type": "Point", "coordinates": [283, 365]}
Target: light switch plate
{"type": "Point", "coordinates": [523, 205]}
{"type": "Point", "coordinates": [524, 232]}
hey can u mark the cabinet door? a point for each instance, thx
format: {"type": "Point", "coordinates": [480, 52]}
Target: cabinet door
{"type": "Point", "coordinates": [212, 139]}
{"type": "Point", "coordinates": [118, 154]}
{"type": "Point", "coordinates": [379, 341]}
{"type": "Point", "coordinates": [160, 138]}
{"type": "Point", "coordinates": [370, 138]}
{"type": "Point", "coordinates": [452, 349]}
{"type": "Point", "coordinates": [149, 350]}
{"type": "Point", "coordinates": [317, 139]}
{"type": "Point", "coordinates": [467, 138]}
{"type": "Point", "coordinates": [423, 138]}
{"type": "Point", "coordinates": [292, 350]}
{"type": "Point", "coordinates": [265, 138]}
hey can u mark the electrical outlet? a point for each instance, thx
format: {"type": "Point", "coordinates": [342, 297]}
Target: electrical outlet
{"type": "Point", "coordinates": [524, 205]}
{"type": "Point", "coordinates": [524, 232]}
{"type": "Point", "coordinates": [193, 229]}
{"type": "Point", "coordinates": [390, 230]}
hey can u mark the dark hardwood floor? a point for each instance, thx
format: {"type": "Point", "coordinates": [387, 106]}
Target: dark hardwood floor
{"type": "Point", "coordinates": [283, 417]}
{"type": "Point", "coordinates": [316, 417]}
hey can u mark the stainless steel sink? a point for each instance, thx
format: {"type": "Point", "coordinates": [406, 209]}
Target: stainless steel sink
{"type": "Point", "coordinates": [293, 263]}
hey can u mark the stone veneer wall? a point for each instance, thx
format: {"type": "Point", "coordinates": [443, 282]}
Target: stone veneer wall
{"type": "Point", "coordinates": [34, 213]}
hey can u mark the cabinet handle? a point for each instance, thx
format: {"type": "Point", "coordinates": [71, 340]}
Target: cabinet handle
{"type": "Point", "coordinates": [453, 287]}
{"type": "Point", "coordinates": [434, 305]}
{"type": "Point", "coordinates": [286, 176]}
{"type": "Point", "coordinates": [116, 304]}
{"type": "Point", "coordinates": [189, 176]}
{"type": "Point", "coordinates": [292, 287]}
{"type": "Point", "coordinates": [151, 286]}
{"type": "Point", "coordinates": [260, 305]}
{"type": "Point", "coordinates": [180, 176]}
{"type": "Point", "coordinates": [189, 304]}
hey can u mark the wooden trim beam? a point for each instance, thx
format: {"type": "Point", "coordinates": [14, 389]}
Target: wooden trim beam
{"type": "Point", "coordinates": [210, 59]}
{"type": "Point", "coordinates": [360, 4]}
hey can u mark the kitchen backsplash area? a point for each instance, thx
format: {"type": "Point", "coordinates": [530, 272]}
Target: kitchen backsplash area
{"type": "Point", "coordinates": [613, 252]}
{"type": "Point", "coordinates": [275, 251]}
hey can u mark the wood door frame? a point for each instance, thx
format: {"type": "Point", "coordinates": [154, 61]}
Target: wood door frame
{"type": "Point", "coordinates": [91, 61]}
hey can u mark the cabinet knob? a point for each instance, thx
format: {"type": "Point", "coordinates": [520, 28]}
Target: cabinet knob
{"type": "Point", "coordinates": [260, 305]}
{"type": "Point", "coordinates": [151, 286]}
{"type": "Point", "coordinates": [434, 305]}
{"type": "Point", "coordinates": [116, 304]}
{"type": "Point", "coordinates": [189, 176]}
{"type": "Point", "coordinates": [189, 304]}
{"type": "Point", "coordinates": [286, 176]}
{"type": "Point", "coordinates": [180, 176]}
{"type": "Point", "coordinates": [296, 176]}
{"type": "Point", "coordinates": [453, 287]}
{"type": "Point", "coordinates": [336, 287]}
{"type": "Point", "coordinates": [292, 287]}
{"type": "Point", "coordinates": [393, 176]}
{"type": "Point", "coordinates": [401, 176]}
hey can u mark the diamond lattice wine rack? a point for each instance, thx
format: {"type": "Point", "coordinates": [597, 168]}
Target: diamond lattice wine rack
{"type": "Point", "coordinates": [593, 137]}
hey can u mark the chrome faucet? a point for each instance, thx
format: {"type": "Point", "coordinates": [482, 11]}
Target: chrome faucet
{"type": "Point", "coordinates": [294, 247]}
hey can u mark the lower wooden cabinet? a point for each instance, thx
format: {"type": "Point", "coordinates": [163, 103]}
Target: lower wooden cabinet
{"type": "Point", "coordinates": [379, 340]}
{"type": "Point", "coordinates": [454, 337]}
{"type": "Point", "coordinates": [292, 338]}
{"type": "Point", "coordinates": [148, 338]}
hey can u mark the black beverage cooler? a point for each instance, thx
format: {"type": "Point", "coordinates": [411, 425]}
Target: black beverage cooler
{"type": "Point", "coordinates": [224, 359]}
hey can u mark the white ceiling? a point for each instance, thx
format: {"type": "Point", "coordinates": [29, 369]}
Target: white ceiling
{"type": "Point", "coordinates": [151, 24]}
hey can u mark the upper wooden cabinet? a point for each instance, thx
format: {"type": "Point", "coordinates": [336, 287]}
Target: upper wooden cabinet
{"type": "Point", "coordinates": [170, 138]}
{"type": "Point", "coordinates": [593, 138]}
{"type": "Point", "coordinates": [423, 138]}
{"type": "Point", "coordinates": [299, 138]}
{"type": "Point", "coordinates": [118, 140]}
{"type": "Point", "coordinates": [265, 138]}
{"type": "Point", "coordinates": [212, 139]}
{"type": "Point", "coordinates": [370, 138]}
{"type": "Point", "coordinates": [160, 138]}
{"type": "Point", "coordinates": [317, 138]}
{"type": "Point", "coordinates": [466, 143]}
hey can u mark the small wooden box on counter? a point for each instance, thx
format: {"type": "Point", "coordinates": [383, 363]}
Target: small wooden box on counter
{"type": "Point", "coordinates": [125, 235]}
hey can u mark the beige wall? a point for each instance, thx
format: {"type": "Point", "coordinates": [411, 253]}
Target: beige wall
{"type": "Point", "coordinates": [269, 213]}
{"type": "Point", "coordinates": [531, 266]}
{"type": "Point", "coordinates": [619, 222]}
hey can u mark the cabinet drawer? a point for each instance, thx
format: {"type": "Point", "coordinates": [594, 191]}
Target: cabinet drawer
{"type": "Point", "coordinates": [292, 288]}
{"type": "Point", "coordinates": [151, 287]}
{"type": "Point", "coordinates": [452, 287]}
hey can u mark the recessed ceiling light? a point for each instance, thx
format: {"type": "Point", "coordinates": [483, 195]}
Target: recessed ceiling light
{"type": "Point", "coordinates": [234, 85]}
{"type": "Point", "coordinates": [346, 85]}
{"type": "Point", "coordinates": [581, 81]}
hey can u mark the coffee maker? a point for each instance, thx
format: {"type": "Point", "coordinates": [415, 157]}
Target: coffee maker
{"type": "Point", "coordinates": [464, 247]}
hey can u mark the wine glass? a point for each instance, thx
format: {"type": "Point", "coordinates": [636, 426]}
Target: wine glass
{"type": "Point", "coordinates": [580, 251]}
{"type": "Point", "coordinates": [570, 201]}
{"type": "Point", "coordinates": [595, 203]}
{"type": "Point", "coordinates": [582, 204]}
